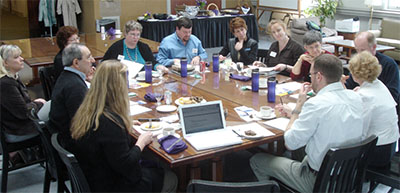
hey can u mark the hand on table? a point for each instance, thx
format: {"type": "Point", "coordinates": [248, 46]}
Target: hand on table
{"type": "Point", "coordinates": [144, 139]}
{"type": "Point", "coordinates": [280, 67]}
{"type": "Point", "coordinates": [258, 63]}
{"type": "Point", "coordinates": [163, 69]}
{"type": "Point", "coordinates": [195, 60]}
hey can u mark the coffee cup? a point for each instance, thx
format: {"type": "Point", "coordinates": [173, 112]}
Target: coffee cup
{"type": "Point", "coordinates": [263, 82]}
{"type": "Point", "coordinates": [266, 111]}
{"type": "Point", "coordinates": [168, 131]}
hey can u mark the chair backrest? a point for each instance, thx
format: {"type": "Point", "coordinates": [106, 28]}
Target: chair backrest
{"type": "Point", "coordinates": [211, 186]}
{"type": "Point", "coordinates": [78, 179]}
{"type": "Point", "coordinates": [262, 55]}
{"type": "Point", "coordinates": [343, 169]}
{"type": "Point", "coordinates": [48, 80]}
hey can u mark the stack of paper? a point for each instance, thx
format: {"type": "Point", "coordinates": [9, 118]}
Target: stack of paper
{"type": "Point", "coordinates": [279, 123]}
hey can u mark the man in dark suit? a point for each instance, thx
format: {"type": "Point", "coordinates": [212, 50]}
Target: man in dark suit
{"type": "Point", "coordinates": [70, 89]}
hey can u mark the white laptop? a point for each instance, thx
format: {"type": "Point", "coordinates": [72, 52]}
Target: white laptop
{"type": "Point", "coordinates": [204, 127]}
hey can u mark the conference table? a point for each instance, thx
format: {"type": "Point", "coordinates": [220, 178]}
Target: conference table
{"type": "Point", "coordinates": [211, 87]}
{"type": "Point", "coordinates": [39, 52]}
{"type": "Point", "coordinates": [212, 31]}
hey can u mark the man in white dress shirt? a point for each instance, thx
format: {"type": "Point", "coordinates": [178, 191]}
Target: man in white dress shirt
{"type": "Point", "coordinates": [333, 118]}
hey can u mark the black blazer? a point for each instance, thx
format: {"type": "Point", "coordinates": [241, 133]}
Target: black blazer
{"type": "Point", "coordinates": [110, 160]}
{"type": "Point", "coordinates": [118, 49]}
{"type": "Point", "coordinates": [67, 96]}
{"type": "Point", "coordinates": [16, 106]}
{"type": "Point", "coordinates": [58, 65]}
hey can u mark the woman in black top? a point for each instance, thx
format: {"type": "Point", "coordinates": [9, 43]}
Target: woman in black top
{"type": "Point", "coordinates": [284, 52]}
{"type": "Point", "coordinates": [16, 104]}
{"type": "Point", "coordinates": [103, 146]}
{"type": "Point", "coordinates": [130, 48]}
{"type": "Point", "coordinates": [66, 35]}
{"type": "Point", "coordinates": [242, 48]}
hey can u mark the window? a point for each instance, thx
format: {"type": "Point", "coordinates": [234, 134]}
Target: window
{"type": "Point", "coordinates": [391, 4]}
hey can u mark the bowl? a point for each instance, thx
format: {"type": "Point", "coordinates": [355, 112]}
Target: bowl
{"type": "Point", "coordinates": [161, 16]}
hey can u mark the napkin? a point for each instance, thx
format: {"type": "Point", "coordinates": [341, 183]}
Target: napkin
{"type": "Point", "coordinates": [172, 144]}
{"type": "Point", "coordinates": [151, 97]}
{"type": "Point", "coordinates": [238, 77]}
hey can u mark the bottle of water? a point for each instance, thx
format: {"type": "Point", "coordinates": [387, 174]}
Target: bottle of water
{"type": "Point", "coordinates": [271, 89]}
{"type": "Point", "coordinates": [255, 75]}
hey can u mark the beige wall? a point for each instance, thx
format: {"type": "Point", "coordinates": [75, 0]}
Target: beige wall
{"type": "Point", "coordinates": [130, 10]}
{"type": "Point", "coordinates": [20, 7]}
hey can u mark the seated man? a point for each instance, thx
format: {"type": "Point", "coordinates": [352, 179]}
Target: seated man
{"type": "Point", "coordinates": [181, 44]}
{"type": "Point", "coordinates": [332, 118]}
{"type": "Point", "coordinates": [390, 72]}
{"type": "Point", "coordinates": [70, 88]}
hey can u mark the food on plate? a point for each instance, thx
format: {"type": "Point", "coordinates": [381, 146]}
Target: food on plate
{"type": "Point", "coordinates": [250, 133]}
{"type": "Point", "coordinates": [153, 126]}
{"type": "Point", "coordinates": [190, 100]}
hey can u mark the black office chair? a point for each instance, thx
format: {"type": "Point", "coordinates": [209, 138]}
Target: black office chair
{"type": "Point", "coordinates": [388, 176]}
{"type": "Point", "coordinates": [55, 169]}
{"type": "Point", "coordinates": [47, 80]}
{"type": "Point", "coordinates": [343, 169]}
{"type": "Point", "coordinates": [8, 147]}
{"type": "Point", "coordinates": [78, 179]}
{"type": "Point", "coordinates": [262, 55]}
{"type": "Point", "coordinates": [197, 186]}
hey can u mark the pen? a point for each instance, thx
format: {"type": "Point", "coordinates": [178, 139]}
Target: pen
{"type": "Point", "coordinates": [178, 140]}
{"type": "Point", "coordinates": [280, 98]}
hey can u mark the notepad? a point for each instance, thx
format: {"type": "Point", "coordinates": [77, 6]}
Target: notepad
{"type": "Point", "coordinates": [279, 123]}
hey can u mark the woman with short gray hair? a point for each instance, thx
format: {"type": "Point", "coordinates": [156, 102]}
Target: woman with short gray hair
{"type": "Point", "coordinates": [131, 48]}
{"type": "Point", "coordinates": [312, 42]}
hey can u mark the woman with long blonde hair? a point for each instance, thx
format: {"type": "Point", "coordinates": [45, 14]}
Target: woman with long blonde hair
{"type": "Point", "coordinates": [103, 146]}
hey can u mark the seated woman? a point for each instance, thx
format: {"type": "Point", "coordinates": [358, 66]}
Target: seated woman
{"type": "Point", "coordinates": [130, 48]}
{"type": "Point", "coordinates": [284, 52]}
{"type": "Point", "coordinates": [66, 35]}
{"type": "Point", "coordinates": [312, 41]}
{"type": "Point", "coordinates": [103, 146]}
{"type": "Point", "coordinates": [16, 104]}
{"type": "Point", "coordinates": [242, 48]}
{"type": "Point", "coordinates": [380, 117]}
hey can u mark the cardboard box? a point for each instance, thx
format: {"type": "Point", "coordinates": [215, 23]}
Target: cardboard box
{"type": "Point", "coordinates": [347, 25]}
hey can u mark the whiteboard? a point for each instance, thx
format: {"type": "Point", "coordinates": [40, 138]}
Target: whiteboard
{"type": "Point", "coordinates": [281, 4]}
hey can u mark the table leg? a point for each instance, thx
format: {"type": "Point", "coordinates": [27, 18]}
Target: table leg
{"type": "Point", "coordinates": [349, 52]}
{"type": "Point", "coordinates": [337, 51]}
{"type": "Point", "coordinates": [182, 178]}
{"type": "Point", "coordinates": [280, 149]}
{"type": "Point", "coordinates": [35, 77]}
{"type": "Point", "coordinates": [217, 169]}
{"type": "Point", "coordinates": [195, 172]}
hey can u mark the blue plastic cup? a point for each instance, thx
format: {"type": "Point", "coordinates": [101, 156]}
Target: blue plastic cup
{"type": "Point", "coordinates": [215, 58]}
{"type": "Point", "coordinates": [183, 67]}
{"type": "Point", "coordinates": [148, 70]}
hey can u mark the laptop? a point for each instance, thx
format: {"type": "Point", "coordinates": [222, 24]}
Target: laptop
{"type": "Point", "coordinates": [204, 127]}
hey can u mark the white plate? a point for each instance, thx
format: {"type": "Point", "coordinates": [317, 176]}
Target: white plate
{"type": "Point", "coordinates": [272, 116]}
{"type": "Point", "coordinates": [166, 108]}
{"type": "Point", "coordinates": [155, 126]}
{"type": "Point", "coordinates": [141, 79]}
{"type": "Point", "coordinates": [177, 101]}
{"type": "Point", "coordinates": [257, 136]}
{"type": "Point", "coordinates": [154, 74]}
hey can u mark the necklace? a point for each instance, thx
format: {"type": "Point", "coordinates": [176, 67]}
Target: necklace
{"type": "Point", "coordinates": [129, 55]}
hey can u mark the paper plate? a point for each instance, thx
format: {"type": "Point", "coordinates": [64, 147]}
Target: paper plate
{"type": "Point", "coordinates": [178, 67]}
{"type": "Point", "coordinates": [257, 136]}
{"type": "Point", "coordinates": [166, 108]}
{"type": "Point", "coordinates": [154, 74]}
{"type": "Point", "coordinates": [263, 86]}
{"type": "Point", "coordinates": [155, 126]}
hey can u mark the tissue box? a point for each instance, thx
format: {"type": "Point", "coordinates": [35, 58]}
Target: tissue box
{"type": "Point", "coordinates": [347, 25]}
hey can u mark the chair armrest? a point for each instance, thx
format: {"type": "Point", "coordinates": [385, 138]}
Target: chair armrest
{"type": "Point", "coordinates": [377, 33]}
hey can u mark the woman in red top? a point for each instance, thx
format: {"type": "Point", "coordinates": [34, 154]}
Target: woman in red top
{"type": "Point", "coordinates": [312, 42]}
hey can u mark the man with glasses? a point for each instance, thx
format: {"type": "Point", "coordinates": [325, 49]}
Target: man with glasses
{"type": "Point", "coordinates": [332, 118]}
{"type": "Point", "coordinates": [70, 88]}
{"type": "Point", "coordinates": [390, 71]}
{"type": "Point", "coordinates": [181, 44]}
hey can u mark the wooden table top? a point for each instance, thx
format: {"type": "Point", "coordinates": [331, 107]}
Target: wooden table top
{"type": "Point", "coordinates": [41, 51]}
{"type": "Point", "coordinates": [231, 90]}
{"type": "Point", "coordinates": [190, 155]}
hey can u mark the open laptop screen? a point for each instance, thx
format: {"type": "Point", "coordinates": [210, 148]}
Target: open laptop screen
{"type": "Point", "coordinates": [202, 118]}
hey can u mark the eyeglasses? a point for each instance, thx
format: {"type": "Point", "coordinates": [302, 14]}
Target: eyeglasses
{"type": "Point", "coordinates": [312, 73]}
{"type": "Point", "coordinates": [134, 35]}
{"type": "Point", "coordinates": [74, 39]}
